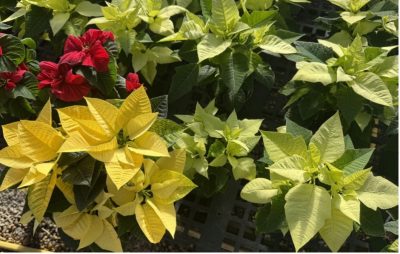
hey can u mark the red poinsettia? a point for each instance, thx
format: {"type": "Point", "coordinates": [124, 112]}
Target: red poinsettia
{"type": "Point", "coordinates": [1, 51]}
{"type": "Point", "coordinates": [11, 79]}
{"type": "Point", "coordinates": [64, 84]}
{"type": "Point", "coordinates": [88, 50]}
{"type": "Point", "coordinates": [132, 82]}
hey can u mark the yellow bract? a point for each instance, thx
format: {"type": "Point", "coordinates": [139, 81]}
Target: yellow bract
{"type": "Point", "coordinates": [88, 228]}
{"type": "Point", "coordinates": [119, 137]}
{"type": "Point", "coordinates": [152, 195]}
{"type": "Point", "coordinates": [32, 145]}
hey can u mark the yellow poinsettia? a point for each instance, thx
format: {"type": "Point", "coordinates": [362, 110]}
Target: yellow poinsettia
{"type": "Point", "coordinates": [31, 156]}
{"type": "Point", "coordinates": [88, 228]}
{"type": "Point", "coordinates": [153, 193]}
{"type": "Point", "coordinates": [119, 137]}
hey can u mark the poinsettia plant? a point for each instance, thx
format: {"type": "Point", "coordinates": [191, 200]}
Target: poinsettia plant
{"type": "Point", "coordinates": [317, 184]}
{"type": "Point", "coordinates": [103, 161]}
{"type": "Point", "coordinates": [359, 80]}
{"type": "Point", "coordinates": [218, 149]}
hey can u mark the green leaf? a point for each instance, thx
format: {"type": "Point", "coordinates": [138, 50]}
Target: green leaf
{"type": "Point", "coordinates": [167, 129]}
{"type": "Point", "coordinates": [80, 173]}
{"type": "Point", "coordinates": [336, 230]}
{"type": "Point", "coordinates": [371, 87]}
{"type": "Point", "coordinates": [183, 81]}
{"type": "Point", "coordinates": [329, 139]}
{"type": "Point", "coordinates": [297, 130]}
{"type": "Point", "coordinates": [85, 195]}
{"type": "Point", "coordinates": [307, 207]}
{"type": "Point", "coordinates": [206, 6]}
{"type": "Point", "coordinates": [354, 160]}
{"type": "Point", "coordinates": [274, 44]}
{"type": "Point", "coordinates": [281, 145]}
{"type": "Point", "coordinates": [13, 53]}
{"type": "Point", "coordinates": [259, 191]}
{"type": "Point", "coordinates": [224, 14]}
{"type": "Point", "coordinates": [37, 21]}
{"type": "Point", "coordinates": [258, 18]}
{"type": "Point", "coordinates": [23, 92]}
{"type": "Point", "coordinates": [378, 192]}
{"type": "Point", "coordinates": [89, 9]}
{"type": "Point", "coordinates": [211, 46]}
{"type": "Point", "coordinates": [349, 104]}
{"type": "Point", "coordinates": [270, 218]}
{"type": "Point", "coordinates": [234, 68]}
{"type": "Point", "coordinates": [160, 104]}
{"type": "Point", "coordinates": [313, 52]}
{"type": "Point", "coordinates": [392, 227]}
{"type": "Point", "coordinates": [58, 21]}
{"type": "Point", "coordinates": [314, 72]}
{"type": "Point", "coordinates": [371, 222]}
{"type": "Point", "coordinates": [388, 68]}
{"type": "Point", "coordinates": [293, 168]}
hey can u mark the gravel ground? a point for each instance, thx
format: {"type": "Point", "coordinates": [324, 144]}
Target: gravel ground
{"type": "Point", "coordinates": [11, 206]}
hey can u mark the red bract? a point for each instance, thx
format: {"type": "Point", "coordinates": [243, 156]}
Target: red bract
{"type": "Point", "coordinates": [88, 50]}
{"type": "Point", "coordinates": [1, 51]}
{"type": "Point", "coordinates": [11, 79]}
{"type": "Point", "coordinates": [132, 82]}
{"type": "Point", "coordinates": [64, 84]}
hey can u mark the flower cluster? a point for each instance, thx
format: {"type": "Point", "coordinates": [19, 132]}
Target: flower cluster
{"type": "Point", "coordinates": [98, 139]}
{"type": "Point", "coordinates": [88, 51]}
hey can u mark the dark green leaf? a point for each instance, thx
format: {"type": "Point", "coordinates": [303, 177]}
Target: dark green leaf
{"type": "Point", "coordinates": [13, 52]}
{"type": "Point", "coordinates": [85, 195]}
{"type": "Point", "coordinates": [80, 173]}
{"type": "Point", "coordinates": [234, 68]}
{"type": "Point", "coordinates": [188, 52]}
{"type": "Point", "coordinates": [22, 91]}
{"type": "Point", "coordinates": [70, 158]}
{"type": "Point", "coordinates": [183, 81]}
{"type": "Point", "coordinates": [217, 179]}
{"type": "Point", "coordinates": [371, 221]}
{"type": "Point", "coordinates": [349, 104]}
{"type": "Point", "coordinates": [37, 21]}
{"type": "Point", "coordinates": [312, 51]}
{"type": "Point", "coordinates": [271, 217]}
{"type": "Point", "coordinates": [160, 104]}
{"type": "Point", "coordinates": [297, 130]}
{"type": "Point", "coordinates": [354, 160]}
{"type": "Point", "coordinates": [167, 129]}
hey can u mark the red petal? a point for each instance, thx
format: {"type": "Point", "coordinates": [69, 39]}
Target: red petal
{"type": "Point", "coordinates": [132, 82]}
{"type": "Point", "coordinates": [72, 44]}
{"type": "Point", "coordinates": [91, 36]}
{"type": "Point", "coordinates": [74, 88]}
{"type": "Point", "coordinates": [99, 57]}
{"type": "Point", "coordinates": [72, 58]}
{"type": "Point", "coordinates": [10, 86]}
{"type": "Point", "coordinates": [48, 73]}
